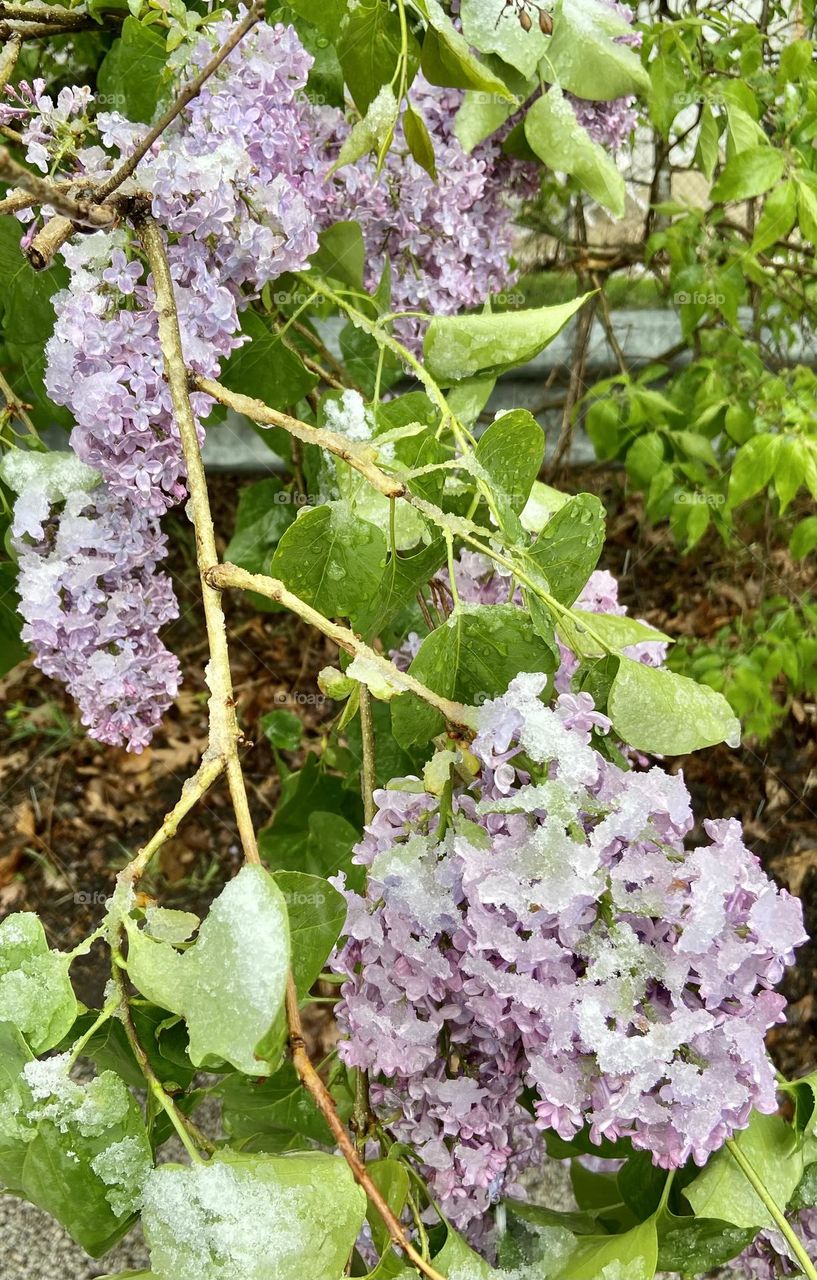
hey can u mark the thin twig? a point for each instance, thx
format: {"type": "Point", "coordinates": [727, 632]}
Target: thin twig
{"type": "Point", "coordinates": [584, 325]}
{"type": "Point", "coordinates": [368, 776]}
{"type": "Point", "coordinates": [262, 414]}
{"type": "Point", "coordinates": [85, 212]}
{"type": "Point", "coordinates": [187, 94]}
{"type": "Point", "coordinates": [53, 13]}
{"type": "Point", "coordinates": [225, 734]}
{"type": "Point", "coordinates": [16, 407]}
{"type": "Point", "coordinates": [229, 575]}
{"type": "Point", "coordinates": [39, 30]}
{"type": "Point", "coordinates": [192, 791]}
{"type": "Point", "coordinates": [324, 1101]}
{"type": "Point", "coordinates": [8, 59]}
{"type": "Point", "coordinates": [184, 1126]}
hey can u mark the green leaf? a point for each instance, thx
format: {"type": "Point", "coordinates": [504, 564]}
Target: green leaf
{"type": "Point", "coordinates": [618, 631]}
{"type": "Point", "coordinates": [12, 649]}
{"type": "Point", "coordinates": [478, 117]}
{"type": "Point", "coordinates": [316, 823]}
{"type": "Point", "coordinates": [265, 368]}
{"type": "Point", "coordinates": [585, 58]}
{"type": "Point", "coordinates": [722, 1190]}
{"type": "Point", "coordinates": [696, 1246]}
{"type": "Point", "coordinates": [708, 149]}
{"type": "Point", "coordinates": [568, 548]}
{"type": "Point", "coordinates": [282, 729]}
{"type": "Point", "coordinates": [506, 37]}
{"type": "Point", "coordinates": [317, 913]}
{"type": "Point", "coordinates": [276, 1108]}
{"type": "Point", "coordinates": [419, 141]}
{"type": "Point", "coordinates": [35, 987]}
{"type": "Point", "coordinates": [229, 985]}
{"type": "Point", "coordinates": [658, 711]}
{"type": "Point", "coordinates": [578, 1223]}
{"type": "Point", "coordinates": [392, 1181]}
{"type": "Point", "coordinates": [789, 469]}
{"type": "Point", "coordinates": [130, 76]}
{"type": "Point", "coordinates": [458, 1258]}
{"type": "Point", "coordinates": [331, 559]}
{"type": "Point", "coordinates": [471, 657]}
{"type": "Point", "coordinates": [511, 450]}
{"type": "Point", "coordinates": [641, 1184]}
{"type": "Point", "coordinates": [553, 130]}
{"type": "Point", "coordinates": [633, 1254]}
{"type": "Point", "coordinates": [326, 15]}
{"type": "Point", "coordinates": [402, 579]}
{"type": "Point", "coordinates": [752, 468]}
{"type": "Point", "coordinates": [778, 217]}
{"type": "Point", "coordinates": [285, 1217]}
{"type": "Point", "coordinates": [368, 48]}
{"type": "Point", "coordinates": [457, 347]}
{"type": "Point", "coordinates": [804, 1093]}
{"type": "Point", "coordinates": [748, 174]}
{"type": "Point", "coordinates": [807, 203]}
{"type": "Point", "coordinates": [447, 58]}
{"type": "Point", "coordinates": [342, 255]}
{"type": "Point", "coordinates": [804, 538]}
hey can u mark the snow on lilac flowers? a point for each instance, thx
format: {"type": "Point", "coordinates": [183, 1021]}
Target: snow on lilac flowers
{"type": "Point", "coordinates": [556, 935]}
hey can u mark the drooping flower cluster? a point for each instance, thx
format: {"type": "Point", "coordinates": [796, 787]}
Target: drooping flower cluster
{"type": "Point", "coordinates": [557, 936]}
{"type": "Point", "coordinates": [239, 184]}
{"type": "Point", "coordinates": [447, 240]}
{"type": "Point", "coordinates": [93, 600]}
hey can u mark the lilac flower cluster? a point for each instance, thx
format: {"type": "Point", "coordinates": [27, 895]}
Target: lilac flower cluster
{"type": "Point", "coordinates": [447, 239]}
{"type": "Point", "coordinates": [219, 188]}
{"type": "Point", "coordinates": [554, 934]}
{"type": "Point", "coordinates": [93, 601]}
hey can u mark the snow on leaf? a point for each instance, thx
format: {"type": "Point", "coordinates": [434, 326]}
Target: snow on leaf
{"type": "Point", "coordinates": [229, 985]}
{"type": "Point", "coordinates": [35, 989]}
{"type": "Point", "coordinates": [253, 1218]}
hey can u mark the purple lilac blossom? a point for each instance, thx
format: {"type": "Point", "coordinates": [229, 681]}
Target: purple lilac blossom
{"type": "Point", "coordinates": [93, 599]}
{"type": "Point", "coordinates": [559, 937]}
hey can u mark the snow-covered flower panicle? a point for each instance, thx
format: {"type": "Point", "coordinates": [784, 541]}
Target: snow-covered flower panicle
{"type": "Point", "coordinates": [556, 935]}
{"type": "Point", "coordinates": [93, 600]}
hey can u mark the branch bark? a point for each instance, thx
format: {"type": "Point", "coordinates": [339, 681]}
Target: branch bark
{"type": "Point", "coordinates": [265, 416]}
{"type": "Point", "coordinates": [229, 575]}
{"type": "Point", "coordinates": [225, 734]}
{"type": "Point", "coordinates": [323, 1099]}
{"type": "Point", "coordinates": [88, 213]}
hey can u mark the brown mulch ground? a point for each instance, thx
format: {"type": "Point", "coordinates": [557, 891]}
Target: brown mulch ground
{"type": "Point", "coordinates": [72, 812]}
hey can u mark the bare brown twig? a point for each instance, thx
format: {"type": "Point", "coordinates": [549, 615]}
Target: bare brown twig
{"type": "Point", "coordinates": [325, 1102]}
